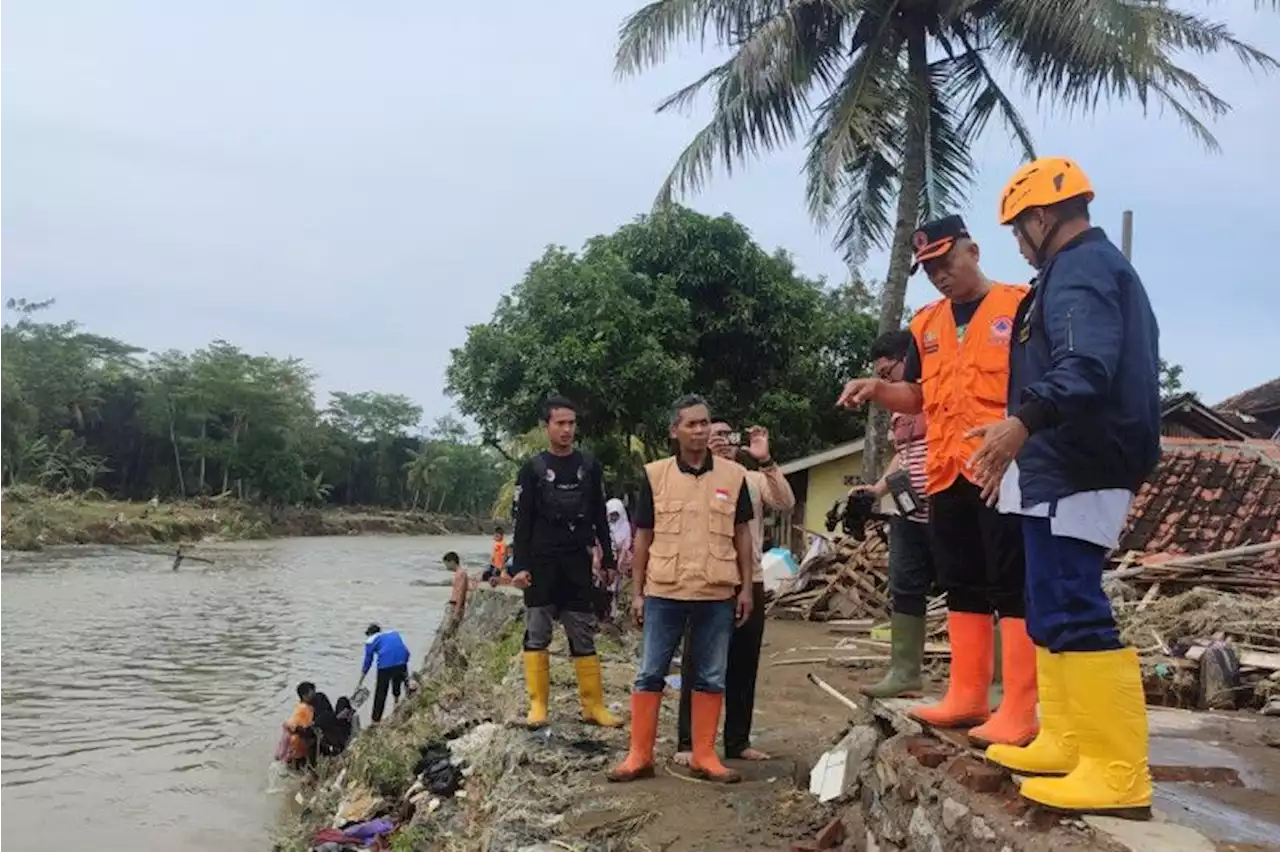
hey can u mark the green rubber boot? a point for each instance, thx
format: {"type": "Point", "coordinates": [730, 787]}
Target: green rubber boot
{"type": "Point", "coordinates": [903, 677]}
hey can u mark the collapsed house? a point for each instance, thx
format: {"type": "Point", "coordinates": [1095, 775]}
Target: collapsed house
{"type": "Point", "coordinates": [1195, 582]}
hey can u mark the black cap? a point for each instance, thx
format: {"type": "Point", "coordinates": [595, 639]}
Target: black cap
{"type": "Point", "coordinates": [936, 238]}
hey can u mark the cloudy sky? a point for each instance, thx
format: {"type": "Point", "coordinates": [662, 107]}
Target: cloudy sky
{"type": "Point", "coordinates": [356, 182]}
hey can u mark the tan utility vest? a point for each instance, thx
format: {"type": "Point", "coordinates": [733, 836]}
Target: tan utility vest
{"type": "Point", "coordinates": [692, 557]}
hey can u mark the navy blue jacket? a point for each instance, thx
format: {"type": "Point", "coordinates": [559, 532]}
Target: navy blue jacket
{"type": "Point", "coordinates": [1084, 374]}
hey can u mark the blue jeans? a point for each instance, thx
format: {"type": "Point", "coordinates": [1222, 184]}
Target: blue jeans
{"type": "Point", "coordinates": [1066, 607]}
{"type": "Point", "coordinates": [710, 626]}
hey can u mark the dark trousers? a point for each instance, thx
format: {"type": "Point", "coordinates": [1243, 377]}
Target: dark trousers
{"type": "Point", "coordinates": [911, 571]}
{"type": "Point", "coordinates": [978, 552]}
{"type": "Point", "coordinates": [740, 682]}
{"type": "Point", "coordinates": [562, 580]}
{"type": "Point", "coordinates": [393, 678]}
{"type": "Point", "coordinates": [1066, 607]}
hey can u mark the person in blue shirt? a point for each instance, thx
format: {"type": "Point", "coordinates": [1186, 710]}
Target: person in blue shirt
{"type": "Point", "coordinates": [1083, 433]}
{"type": "Point", "coordinates": [392, 656]}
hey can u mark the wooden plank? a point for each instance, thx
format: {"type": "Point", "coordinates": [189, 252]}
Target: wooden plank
{"type": "Point", "coordinates": [1248, 659]}
{"type": "Point", "coordinates": [1152, 594]}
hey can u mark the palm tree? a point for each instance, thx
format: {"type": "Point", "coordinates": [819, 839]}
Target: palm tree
{"type": "Point", "coordinates": [890, 95]}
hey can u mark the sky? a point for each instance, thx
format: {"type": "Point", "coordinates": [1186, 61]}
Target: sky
{"type": "Point", "coordinates": [356, 183]}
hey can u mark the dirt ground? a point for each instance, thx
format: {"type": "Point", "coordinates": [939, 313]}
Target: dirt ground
{"type": "Point", "coordinates": [794, 722]}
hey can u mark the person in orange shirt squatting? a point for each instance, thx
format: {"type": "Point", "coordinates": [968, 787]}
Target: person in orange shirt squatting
{"type": "Point", "coordinates": [957, 373]}
{"type": "Point", "coordinates": [692, 571]}
{"type": "Point", "coordinates": [1083, 434]}
{"type": "Point", "coordinates": [299, 728]}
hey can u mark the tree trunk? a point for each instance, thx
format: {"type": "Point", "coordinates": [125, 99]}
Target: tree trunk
{"type": "Point", "coordinates": [177, 457]}
{"type": "Point", "coordinates": [204, 438]}
{"type": "Point", "coordinates": [876, 453]}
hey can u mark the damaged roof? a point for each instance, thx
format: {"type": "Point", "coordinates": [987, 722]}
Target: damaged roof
{"type": "Point", "coordinates": [1258, 400]}
{"type": "Point", "coordinates": [1207, 495]}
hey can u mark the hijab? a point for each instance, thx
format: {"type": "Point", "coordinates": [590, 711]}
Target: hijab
{"type": "Point", "coordinates": [619, 530]}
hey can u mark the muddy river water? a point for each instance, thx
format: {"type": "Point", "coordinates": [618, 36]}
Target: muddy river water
{"type": "Point", "coordinates": [140, 705]}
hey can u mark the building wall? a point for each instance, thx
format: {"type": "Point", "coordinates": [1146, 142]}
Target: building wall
{"type": "Point", "coordinates": [828, 483]}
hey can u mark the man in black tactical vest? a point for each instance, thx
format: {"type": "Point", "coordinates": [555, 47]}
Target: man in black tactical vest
{"type": "Point", "coordinates": [560, 514]}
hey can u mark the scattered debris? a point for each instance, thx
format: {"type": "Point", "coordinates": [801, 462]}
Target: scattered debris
{"type": "Point", "coordinates": [848, 580]}
{"type": "Point", "coordinates": [1206, 649]}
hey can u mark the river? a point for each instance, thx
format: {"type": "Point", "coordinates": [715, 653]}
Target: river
{"type": "Point", "coordinates": [141, 705]}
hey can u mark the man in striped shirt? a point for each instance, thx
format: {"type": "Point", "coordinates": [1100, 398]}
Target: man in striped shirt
{"type": "Point", "coordinates": [911, 571]}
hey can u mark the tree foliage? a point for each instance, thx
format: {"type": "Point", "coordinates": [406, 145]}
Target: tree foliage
{"type": "Point", "coordinates": [674, 302]}
{"type": "Point", "coordinates": [83, 411]}
{"type": "Point", "coordinates": [1170, 380]}
{"type": "Point", "coordinates": [890, 97]}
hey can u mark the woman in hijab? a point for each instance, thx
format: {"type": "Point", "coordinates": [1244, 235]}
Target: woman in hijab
{"type": "Point", "coordinates": [620, 534]}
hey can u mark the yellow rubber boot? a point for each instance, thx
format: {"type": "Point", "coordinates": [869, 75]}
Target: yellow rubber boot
{"type": "Point", "coordinates": [1109, 713]}
{"type": "Point", "coordinates": [591, 693]}
{"type": "Point", "coordinates": [537, 679]}
{"type": "Point", "coordinates": [1053, 752]}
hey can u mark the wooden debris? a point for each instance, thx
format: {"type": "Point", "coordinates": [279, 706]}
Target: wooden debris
{"type": "Point", "coordinates": [848, 586]}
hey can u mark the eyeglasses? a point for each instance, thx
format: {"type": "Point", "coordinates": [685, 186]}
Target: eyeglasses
{"type": "Point", "coordinates": [885, 373]}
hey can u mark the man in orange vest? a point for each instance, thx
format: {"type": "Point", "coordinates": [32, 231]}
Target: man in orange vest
{"type": "Point", "coordinates": [957, 372]}
{"type": "Point", "coordinates": [692, 571]}
{"type": "Point", "coordinates": [1082, 436]}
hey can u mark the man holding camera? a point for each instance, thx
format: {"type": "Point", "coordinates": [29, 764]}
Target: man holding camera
{"type": "Point", "coordinates": [957, 374]}
{"type": "Point", "coordinates": [767, 487]}
{"type": "Point", "coordinates": [910, 559]}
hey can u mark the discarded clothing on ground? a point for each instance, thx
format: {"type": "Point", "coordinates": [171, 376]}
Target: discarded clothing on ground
{"type": "Point", "coordinates": [367, 832]}
{"type": "Point", "coordinates": [437, 771]}
{"type": "Point", "coordinates": [355, 836]}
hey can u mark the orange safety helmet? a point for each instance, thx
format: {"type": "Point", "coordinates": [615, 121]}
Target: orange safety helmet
{"type": "Point", "coordinates": [1040, 183]}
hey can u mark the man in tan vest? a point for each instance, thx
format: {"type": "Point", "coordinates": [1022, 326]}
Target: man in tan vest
{"type": "Point", "coordinates": [692, 570]}
{"type": "Point", "coordinates": [768, 489]}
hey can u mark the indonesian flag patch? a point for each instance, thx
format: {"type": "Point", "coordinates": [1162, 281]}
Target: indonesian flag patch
{"type": "Point", "coordinates": [722, 494]}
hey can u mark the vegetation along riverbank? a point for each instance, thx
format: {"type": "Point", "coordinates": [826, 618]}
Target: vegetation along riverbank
{"type": "Point", "coordinates": [92, 415]}
{"type": "Point", "coordinates": [35, 519]}
{"type": "Point", "coordinates": [545, 790]}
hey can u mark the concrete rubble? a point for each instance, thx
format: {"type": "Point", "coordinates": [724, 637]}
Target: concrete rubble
{"type": "Point", "coordinates": [923, 792]}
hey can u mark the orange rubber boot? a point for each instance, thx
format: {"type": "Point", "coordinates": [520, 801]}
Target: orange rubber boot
{"type": "Point", "coordinates": [1014, 722]}
{"type": "Point", "coordinates": [644, 733]}
{"type": "Point", "coordinates": [965, 704]}
{"type": "Point", "coordinates": [705, 763]}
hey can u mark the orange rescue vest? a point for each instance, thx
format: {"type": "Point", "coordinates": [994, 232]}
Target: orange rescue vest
{"type": "Point", "coordinates": [965, 382]}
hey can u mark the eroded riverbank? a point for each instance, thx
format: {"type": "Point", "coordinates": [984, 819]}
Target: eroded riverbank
{"type": "Point", "coordinates": [34, 521]}
{"type": "Point", "coordinates": [907, 789]}
{"type": "Point", "coordinates": [545, 790]}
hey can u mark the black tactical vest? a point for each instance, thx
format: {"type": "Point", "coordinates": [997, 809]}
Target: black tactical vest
{"type": "Point", "coordinates": [563, 502]}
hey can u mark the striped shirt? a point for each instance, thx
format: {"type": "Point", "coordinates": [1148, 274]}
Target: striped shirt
{"type": "Point", "coordinates": [908, 431]}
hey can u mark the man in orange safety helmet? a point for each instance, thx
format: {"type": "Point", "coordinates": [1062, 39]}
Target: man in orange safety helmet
{"type": "Point", "coordinates": [1082, 435]}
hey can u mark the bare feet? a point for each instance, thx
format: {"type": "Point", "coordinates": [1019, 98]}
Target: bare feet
{"type": "Point", "coordinates": [754, 754]}
{"type": "Point", "coordinates": [682, 758]}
